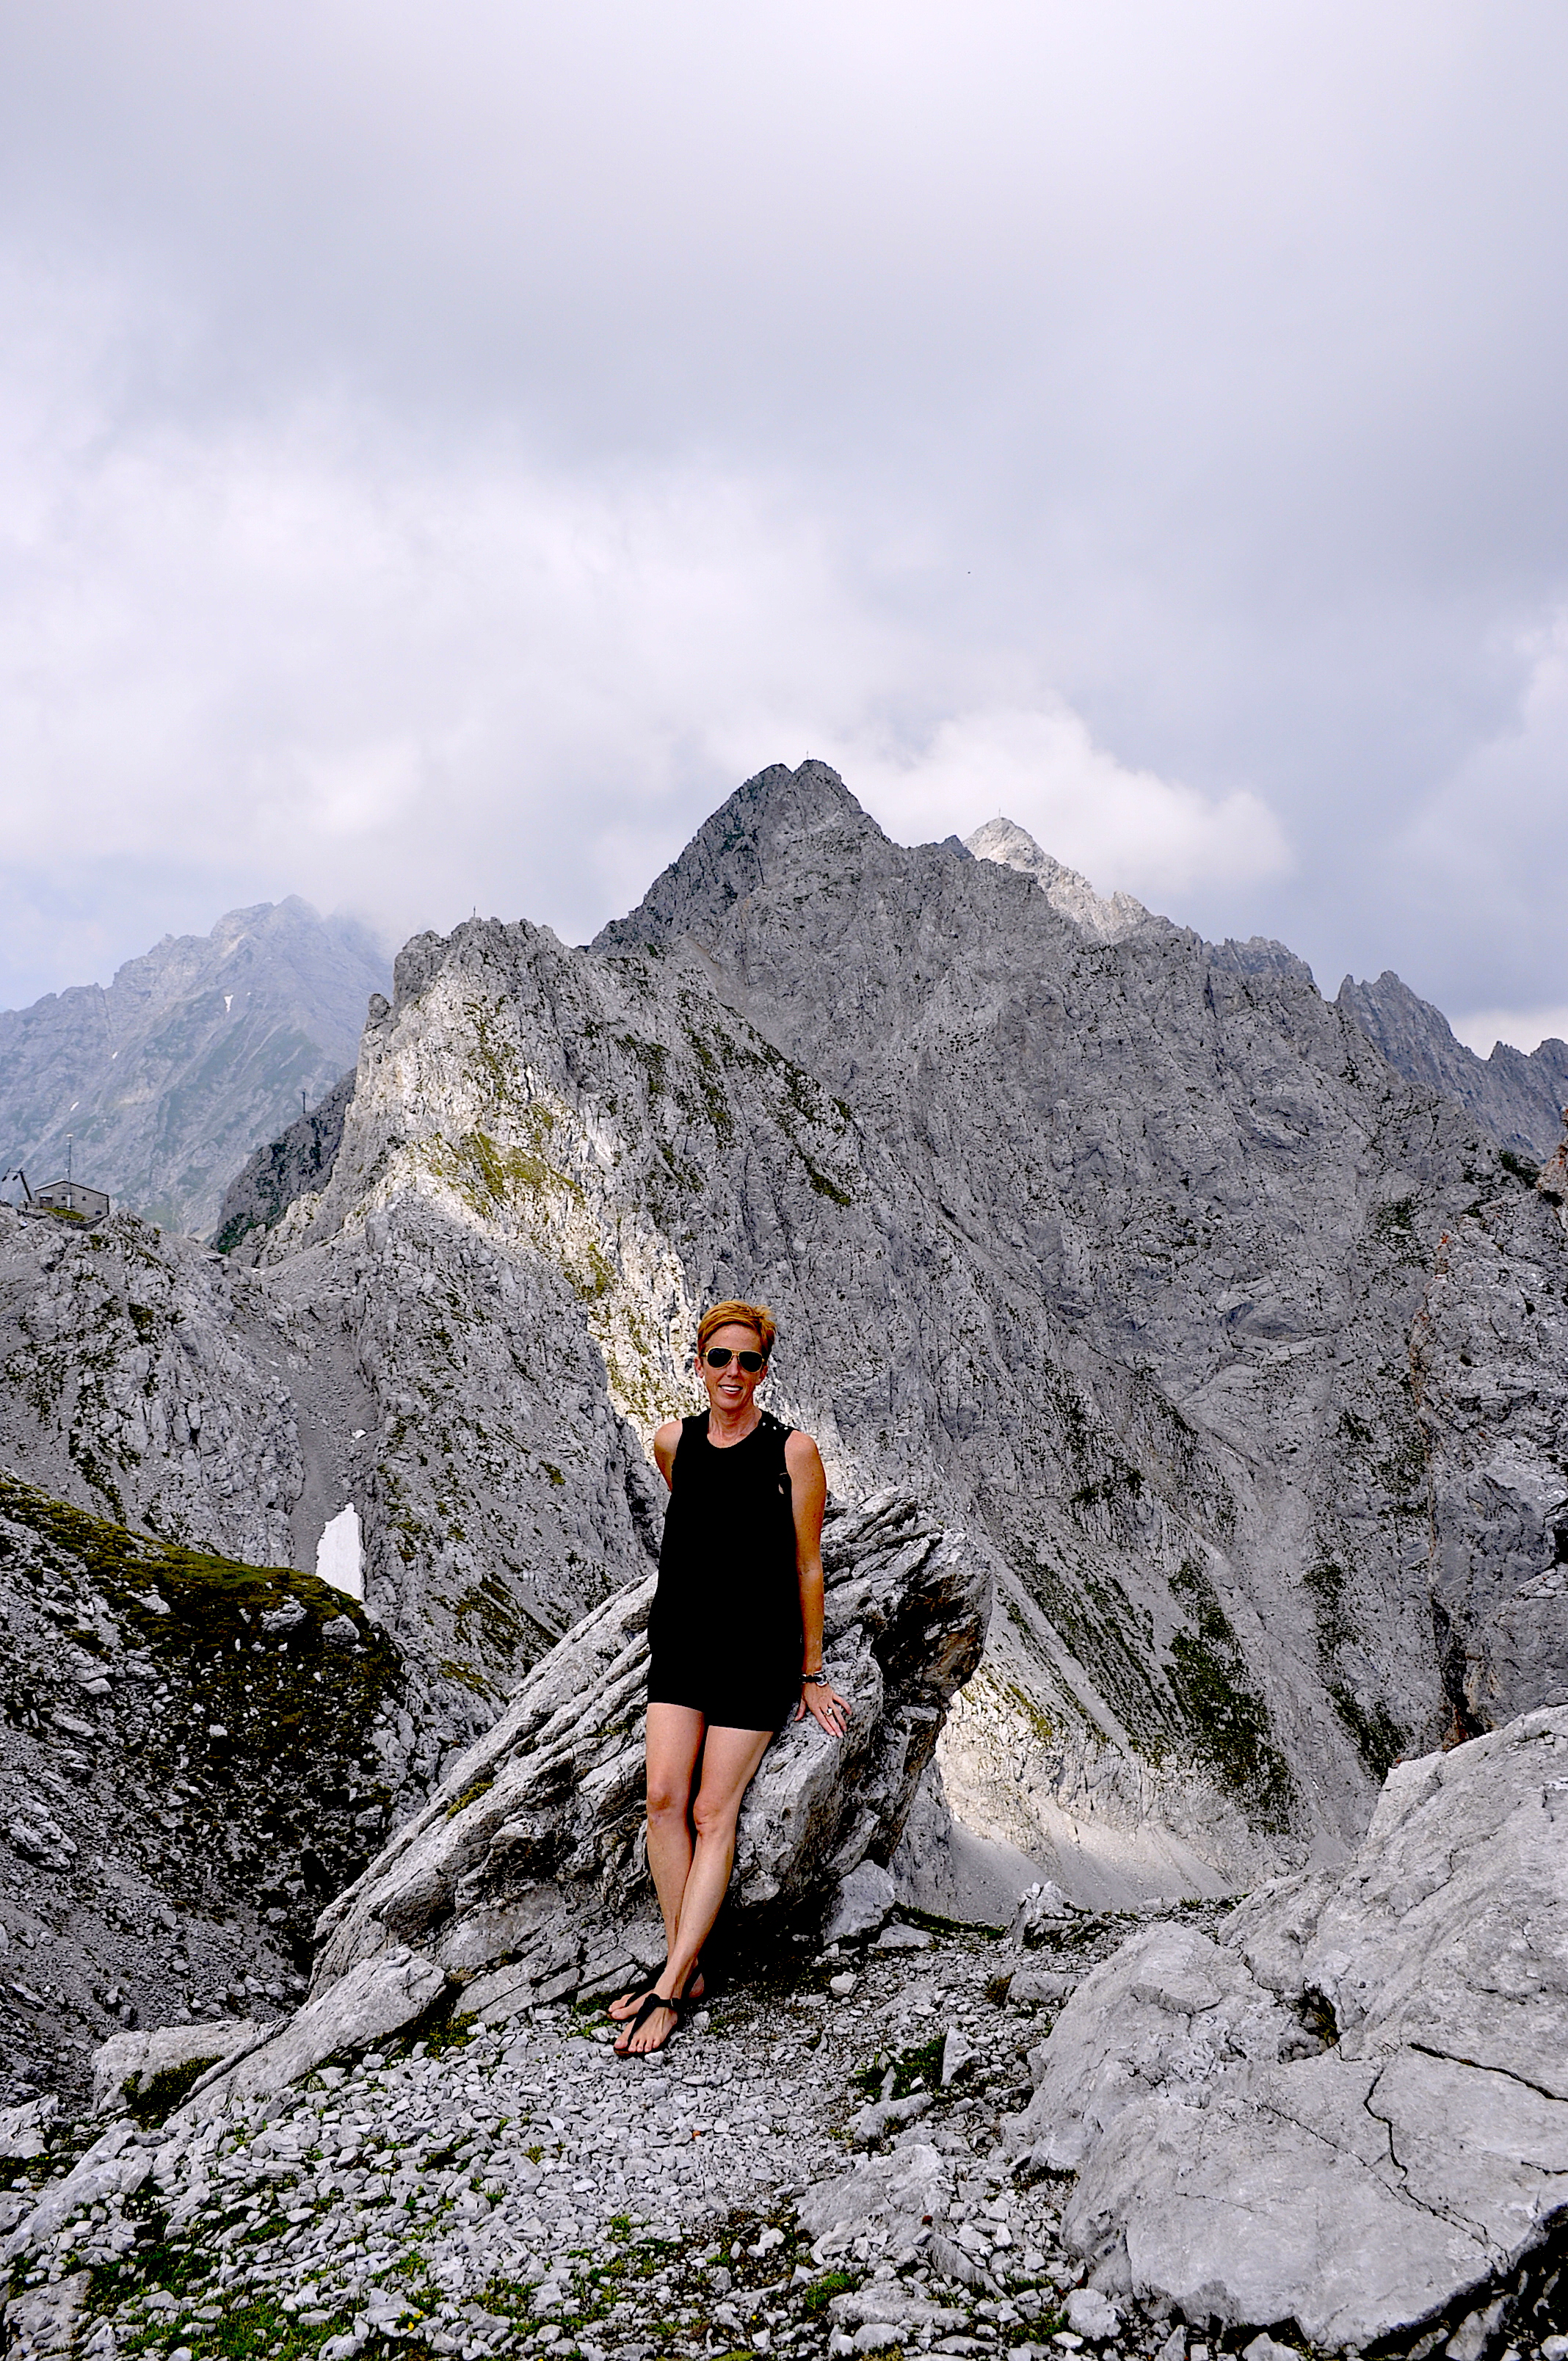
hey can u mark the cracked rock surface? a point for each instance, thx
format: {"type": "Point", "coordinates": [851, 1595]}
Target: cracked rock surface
{"type": "Point", "coordinates": [1351, 2111]}
{"type": "Point", "coordinates": [1489, 1361]}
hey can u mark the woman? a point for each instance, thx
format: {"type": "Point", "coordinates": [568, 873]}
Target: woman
{"type": "Point", "coordinates": [734, 1641]}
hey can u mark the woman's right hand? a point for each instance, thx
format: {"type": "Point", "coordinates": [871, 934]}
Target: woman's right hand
{"type": "Point", "coordinates": [827, 1709]}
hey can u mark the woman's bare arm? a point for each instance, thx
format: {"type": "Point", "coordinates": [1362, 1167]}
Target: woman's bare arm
{"type": "Point", "coordinates": [808, 1492]}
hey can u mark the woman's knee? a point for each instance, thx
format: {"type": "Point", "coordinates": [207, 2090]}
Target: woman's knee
{"type": "Point", "coordinates": [715, 1816]}
{"type": "Point", "coordinates": [668, 1799]}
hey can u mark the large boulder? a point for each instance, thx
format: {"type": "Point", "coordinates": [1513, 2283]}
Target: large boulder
{"type": "Point", "coordinates": [525, 1877]}
{"type": "Point", "coordinates": [1351, 2113]}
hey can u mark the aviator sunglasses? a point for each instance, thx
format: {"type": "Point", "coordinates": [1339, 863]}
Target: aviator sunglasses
{"type": "Point", "coordinates": [719, 1356]}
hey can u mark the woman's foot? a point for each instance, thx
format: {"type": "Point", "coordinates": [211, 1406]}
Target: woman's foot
{"type": "Point", "coordinates": [623, 2010]}
{"type": "Point", "coordinates": [650, 2028]}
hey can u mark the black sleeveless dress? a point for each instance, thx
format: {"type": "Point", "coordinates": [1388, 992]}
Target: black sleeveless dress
{"type": "Point", "coordinates": [724, 1636]}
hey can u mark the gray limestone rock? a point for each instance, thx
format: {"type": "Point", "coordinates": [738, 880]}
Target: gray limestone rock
{"type": "Point", "coordinates": [377, 1997]}
{"type": "Point", "coordinates": [1171, 2008]}
{"type": "Point", "coordinates": [1043, 1911]}
{"type": "Point", "coordinates": [1517, 1098]}
{"type": "Point", "coordinates": [871, 2127]}
{"type": "Point", "coordinates": [129, 2064]}
{"type": "Point", "coordinates": [901, 2306]}
{"type": "Point", "coordinates": [896, 2191]}
{"type": "Point", "coordinates": [521, 1870]}
{"type": "Point", "coordinates": [1090, 2314]}
{"type": "Point", "coordinates": [1489, 1361]}
{"type": "Point", "coordinates": [865, 1900]}
{"type": "Point", "coordinates": [23, 2129]}
{"type": "Point", "coordinates": [1352, 2113]}
{"type": "Point", "coordinates": [186, 1775]}
{"type": "Point", "coordinates": [296, 1164]}
{"type": "Point", "coordinates": [1031, 1986]}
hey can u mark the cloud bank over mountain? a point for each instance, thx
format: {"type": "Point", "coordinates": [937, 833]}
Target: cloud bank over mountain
{"type": "Point", "coordinates": [439, 454]}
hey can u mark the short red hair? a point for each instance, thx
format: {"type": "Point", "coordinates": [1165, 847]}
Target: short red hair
{"type": "Point", "coordinates": [738, 1315]}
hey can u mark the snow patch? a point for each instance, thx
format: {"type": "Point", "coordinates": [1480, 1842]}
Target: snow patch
{"type": "Point", "coordinates": [339, 1558]}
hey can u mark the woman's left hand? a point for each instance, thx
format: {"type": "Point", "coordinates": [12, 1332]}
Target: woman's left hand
{"type": "Point", "coordinates": [821, 1700]}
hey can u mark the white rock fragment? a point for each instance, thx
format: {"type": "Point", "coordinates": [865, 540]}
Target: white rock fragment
{"type": "Point", "coordinates": [1093, 2315]}
{"type": "Point", "coordinates": [865, 1898]}
{"type": "Point", "coordinates": [23, 2129]}
{"type": "Point", "coordinates": [903, 2186]}
{"type": "Point", "coordinates": [957, 2052]}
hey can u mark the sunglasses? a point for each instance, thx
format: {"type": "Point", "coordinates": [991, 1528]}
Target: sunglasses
{"type": "Point", "coordinates": [719, 1356]}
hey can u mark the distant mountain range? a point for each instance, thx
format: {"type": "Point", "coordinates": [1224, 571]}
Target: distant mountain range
{"type": "Point", "coordinates": [196, 1054]}
{"type": "Point", "coordinates": [182, 1079]}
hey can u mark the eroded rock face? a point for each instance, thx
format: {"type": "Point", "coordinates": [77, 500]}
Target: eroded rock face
{"type": "Point", "coordinates": [1518, 1098]}
{"type": "Point", "coordinates": [1353, 2112]}
{"type": "Point", "coordinates": [187, 1773]}
{"type": "Point", "coordinates": [1489, 1357]}
{"type": "Point", "coordinates": [296, 1164]}
{"type": "Point", "coordinates": [525, 1876]}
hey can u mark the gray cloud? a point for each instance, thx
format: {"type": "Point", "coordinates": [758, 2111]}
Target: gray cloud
{"type": "Point", "coordinates": [443, 450]}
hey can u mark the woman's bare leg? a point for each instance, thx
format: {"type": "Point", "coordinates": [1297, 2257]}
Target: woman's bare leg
{"type": "Point", "coordinates": [730, 1760]}
{"type": "Point", "coordinates": [675, 1736]}
{"type": "Point", "coordinates": [675, 1749]}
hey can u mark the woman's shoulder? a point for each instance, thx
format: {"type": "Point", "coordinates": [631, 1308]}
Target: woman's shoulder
{"type": "Point", "coordinates": [668, 1441]}
{"type": "Point", "coordinates": [800, 1448]}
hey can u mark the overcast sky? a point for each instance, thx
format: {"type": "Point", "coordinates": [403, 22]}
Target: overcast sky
{"type": "Point", "coordinates": [443, 449]}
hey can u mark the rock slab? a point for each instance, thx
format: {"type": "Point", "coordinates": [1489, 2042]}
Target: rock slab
{"type": "Point", "coordinates": [525, 1877]}
{"type": "Point", "coordinates": [1352, 2113]}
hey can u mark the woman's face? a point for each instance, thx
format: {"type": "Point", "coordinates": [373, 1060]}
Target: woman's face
{"type": "Point", "coordinates": [730, 1388]}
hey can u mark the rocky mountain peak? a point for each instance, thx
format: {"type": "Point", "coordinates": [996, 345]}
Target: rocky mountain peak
{"type": "Point", "coordinates": [774, 818]}
{"type": "Point", "coordinates": [1103, 920]}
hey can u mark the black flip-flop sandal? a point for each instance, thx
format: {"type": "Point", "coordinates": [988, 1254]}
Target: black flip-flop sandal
{"type": "Point", "coordinates": [639, 1991]}
{"type": "Point", "coordinates": [654, 2000]}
